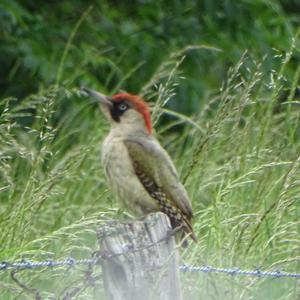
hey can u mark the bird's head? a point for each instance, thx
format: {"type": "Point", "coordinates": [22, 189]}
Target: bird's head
{"type": "Point", "coordinates": [126, 112]}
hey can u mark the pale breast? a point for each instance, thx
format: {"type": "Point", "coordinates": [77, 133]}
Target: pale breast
{"type": "Point", "coordinates": [123, 180]}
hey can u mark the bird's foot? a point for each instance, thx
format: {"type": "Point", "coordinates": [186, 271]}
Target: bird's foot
{"type": "Point", "coordinates": [173, 231]}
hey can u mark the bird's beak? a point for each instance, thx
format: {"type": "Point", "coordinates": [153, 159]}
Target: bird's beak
{"type": "Point", "coordinates": [103, 99]}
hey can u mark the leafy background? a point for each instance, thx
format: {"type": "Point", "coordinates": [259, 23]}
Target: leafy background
{"type": "Point", "coordinates": [222, 78]}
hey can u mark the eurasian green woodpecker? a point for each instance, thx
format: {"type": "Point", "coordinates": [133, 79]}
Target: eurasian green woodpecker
{"type": "Point", "coordinates": [140, 171]}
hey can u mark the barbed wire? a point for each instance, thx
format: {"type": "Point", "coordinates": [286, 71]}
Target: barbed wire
{"type": "Point", "coordinates": [99, 256]}
{"type": "Point", "coordinates": [27, 264]}
{"type": "Point", "coordinates": [237, 271]}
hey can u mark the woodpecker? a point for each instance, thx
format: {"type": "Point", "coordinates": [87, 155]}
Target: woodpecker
{"type": "Point", "coordinates": [139, 170]}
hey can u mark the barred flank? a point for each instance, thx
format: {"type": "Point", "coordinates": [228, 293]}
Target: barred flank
{"type": "Point", "coordinates": [177, 218]}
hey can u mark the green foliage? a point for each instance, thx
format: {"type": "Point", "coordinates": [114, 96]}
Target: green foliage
{"type": "Point", "coordinates": [223, 77]}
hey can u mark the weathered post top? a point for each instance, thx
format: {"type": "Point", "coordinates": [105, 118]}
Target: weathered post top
{"type": "Point", "coordinates": [144, 260]}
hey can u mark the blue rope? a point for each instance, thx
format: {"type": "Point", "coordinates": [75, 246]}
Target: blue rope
{"type": "Point", "coordinates": [26, 264]}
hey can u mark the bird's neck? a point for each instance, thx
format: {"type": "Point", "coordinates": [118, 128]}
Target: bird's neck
{"type": "Point", "coordinates": [126, 130]}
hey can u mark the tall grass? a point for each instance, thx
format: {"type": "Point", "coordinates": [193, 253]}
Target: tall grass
{"type": "Point", "coordinates": [238, 156]}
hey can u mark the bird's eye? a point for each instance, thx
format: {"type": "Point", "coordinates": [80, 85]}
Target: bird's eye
{"type": "Point", "coordinates": [122, 106]}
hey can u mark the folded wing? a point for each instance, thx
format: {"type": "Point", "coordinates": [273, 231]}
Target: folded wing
{"type": "Point", "coordinates": [155, 162]}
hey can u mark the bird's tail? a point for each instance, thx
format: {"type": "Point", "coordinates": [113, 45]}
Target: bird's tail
{"type": "Point", "coordinates": [186, 231]}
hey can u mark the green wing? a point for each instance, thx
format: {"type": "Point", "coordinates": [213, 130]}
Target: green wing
{"type": "Point", "coordinates": [154, 161]}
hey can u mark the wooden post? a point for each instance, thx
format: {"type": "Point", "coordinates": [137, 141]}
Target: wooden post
{"type": "Point", "coordinates": [143, 262]}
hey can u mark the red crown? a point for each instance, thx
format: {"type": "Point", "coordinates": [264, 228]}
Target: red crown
{"type": "Point", "coordinates": [139, 104]}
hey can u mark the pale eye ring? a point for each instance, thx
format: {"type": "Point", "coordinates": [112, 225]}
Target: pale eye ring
{"type": "Point", "coordinates": [122, 106]}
